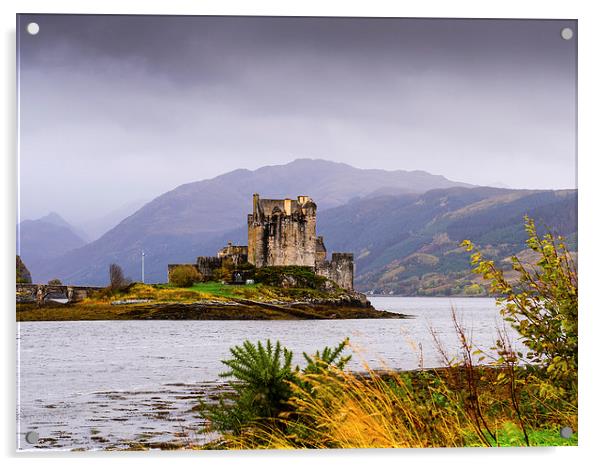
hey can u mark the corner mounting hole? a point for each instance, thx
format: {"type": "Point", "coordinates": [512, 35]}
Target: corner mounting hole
{"type": "Point", "coordinates": [566, 432]}
{"type": "Point", "coordinates": [566, 33]}
{"type": "Point", "coordinates": [33, 28]}
{"type": "Point", "coordinates": [32, 437]}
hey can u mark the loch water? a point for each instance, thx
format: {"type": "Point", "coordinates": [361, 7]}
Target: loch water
{"type": "Point", "coordinates": [104, 384]}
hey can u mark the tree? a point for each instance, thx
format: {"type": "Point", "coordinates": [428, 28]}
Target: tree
{"type": "Point", "coordinates": [116, 278]}
{"type": "Point", "coordinates": [55, 282]}
{"type": "Point", "coordinates": [542, 307]}
{"type": "Point", "coordinates": [184, 276]}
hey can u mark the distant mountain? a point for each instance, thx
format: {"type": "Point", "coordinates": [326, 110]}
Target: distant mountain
{"type": "Point", "coordinates": [45, 239]}
{"type": "Point", "coordinates": [97, 227]}
{"type": "Point", "coordinates": [55, 219]}
{"type": "Point", "coordinates": [195, 218]}
{"type": "Point", "coordinates": [408, 244]}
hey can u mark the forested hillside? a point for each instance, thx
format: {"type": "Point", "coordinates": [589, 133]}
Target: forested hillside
{"type": "Point", "coordinates": [409, 244]}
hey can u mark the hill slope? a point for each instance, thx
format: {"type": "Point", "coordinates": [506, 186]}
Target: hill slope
{"type": "Point", "coordinates": [408, 244]}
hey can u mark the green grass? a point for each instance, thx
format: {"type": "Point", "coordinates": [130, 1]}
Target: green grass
{"type": "Point", "coordinates": [224, 291]}
{"type": "Point", "coordinates": [260, 291]}
{"type": "Point", "coordinates": [542, 438]}
{"type": "Point", "coordinates": [510, 435]}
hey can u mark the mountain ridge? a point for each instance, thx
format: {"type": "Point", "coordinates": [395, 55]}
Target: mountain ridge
{"type": "Point", "coordinates": [171, 226]}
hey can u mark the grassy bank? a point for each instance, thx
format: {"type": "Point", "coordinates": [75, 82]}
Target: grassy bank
{"type": "Point", "coordinates": [206, 301]}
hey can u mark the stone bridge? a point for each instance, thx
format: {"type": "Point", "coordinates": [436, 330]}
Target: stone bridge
{"type": "Point", "coordinates": [32, 293]}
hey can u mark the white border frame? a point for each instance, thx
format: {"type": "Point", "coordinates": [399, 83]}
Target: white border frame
{"type": "Point", "coordinates": [590, 77]}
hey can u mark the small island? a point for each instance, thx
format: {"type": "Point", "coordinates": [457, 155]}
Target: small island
{"type": "Point", "coordinates": [283, 273]}
{"type": "Point", "coordinates": [306, 296]}
{"type": "Point", "coordinates": [207, 301]}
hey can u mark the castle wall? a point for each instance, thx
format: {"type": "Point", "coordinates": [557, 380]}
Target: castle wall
{"type": "Point", "coordinates": [291, 241]}
{"type": "Point", "coordinates": [255, 235]}
{"type": "Point", "coordinates": [282, 232]}
{"type": "Point", "coordinates": [257, 243]}
{"type": "Point", "coordinates": [339, 269]}
{"type": "Point", "coordinates": [237, 254]}
{"type": "Point", "coordinates": [320, 250]}
{"type": "Point", "coordinates": [207, 265]}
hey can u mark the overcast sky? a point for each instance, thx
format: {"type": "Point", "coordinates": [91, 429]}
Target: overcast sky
{"type": "Point", "coordinates": [114, 109]}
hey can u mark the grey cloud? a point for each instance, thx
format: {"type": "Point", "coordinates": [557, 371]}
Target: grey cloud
{"type": "Point", "coordinates": [127, 107]}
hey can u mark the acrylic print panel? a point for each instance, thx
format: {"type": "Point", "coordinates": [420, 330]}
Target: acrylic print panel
{"type": "Point", "coordinates": [272, 232]}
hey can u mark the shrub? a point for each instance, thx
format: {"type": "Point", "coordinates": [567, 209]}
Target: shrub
{"type": "Point", "coordinates": [542, 307]}
{"type": "Point", "coordinates": [260, 388]}
{"type": "Point", "coordinates": [262, 377]}
{"type": "Point", "coordinates": [225, 272]}
{"type": "Point", "coordinates": [184, 276]}
{"type": "Point", "coordinates": [54, 281]}
{"type": "Point", "coordinates": [326, 359]}
{"type": "Point", "coordinates": [292, 276]}
{"type": "Point", "coordinates": [339, 409]}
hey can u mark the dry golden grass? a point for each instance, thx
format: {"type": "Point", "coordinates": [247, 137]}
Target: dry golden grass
{"type": "Point", "coordinates": [455, 406]}
{"type": "Point", "coordinates": [341, 410]}
{"type": "Point", "coordinates": [154, 293]}
{"type": "Point", "coordinates": [346, 411]}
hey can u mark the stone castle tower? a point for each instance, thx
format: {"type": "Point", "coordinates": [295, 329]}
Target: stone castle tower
{"type": "Point", "coordinates": [282, 232]}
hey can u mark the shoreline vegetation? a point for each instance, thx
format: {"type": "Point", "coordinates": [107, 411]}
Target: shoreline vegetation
{"type": "Point", "coordinates": [487, 397]}
{"type": "Point", "coordinates": [453, 406]}
{"type": "Point", "coordinates": [208, 301]}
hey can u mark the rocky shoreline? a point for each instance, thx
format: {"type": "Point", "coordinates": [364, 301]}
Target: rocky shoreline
{"type": "Point", "coordinates": [347, 306]}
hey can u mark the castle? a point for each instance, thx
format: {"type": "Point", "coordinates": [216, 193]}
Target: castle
{"type": "Point", "coordinates": [281, 232]}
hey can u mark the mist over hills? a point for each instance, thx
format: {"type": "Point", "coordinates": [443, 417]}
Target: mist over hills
{"type": "Point", "coordinates": [96, 227]}
{"type": "Point", "coordinates": [401, 225]}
